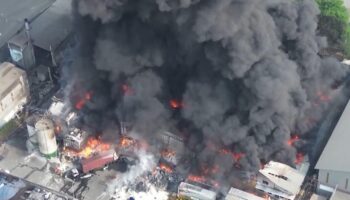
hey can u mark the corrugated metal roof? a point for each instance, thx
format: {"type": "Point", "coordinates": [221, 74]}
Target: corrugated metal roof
{"type": "Point", "coordinates": [236, 194]}
{"type": "Point", "coordinates": [13, 13]}
{"type": "Point", "coordinates": [195, 192]}
{"type": "Point", "coordinates": [334, 154]}
{"type": "Point", "coordinates": [53, 26]}
{"type": "Point", "coordinates": [283, 176]}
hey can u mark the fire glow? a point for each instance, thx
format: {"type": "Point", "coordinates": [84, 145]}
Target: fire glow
{"type": "Point", "coordinates": [203, 180]}
{"type": "Point", "coordinates": [197, 179]}
{"type": "Point", "coordinates": [299, 158]}
{"type": "Point", "coordinates": [93, 146]}
{"type": "Point", "coordinates": [126, 141]}
{"type": "Point", "coordinates": [293, 139]}
{"type": "Point", "coordinates": [211, 170]}
{"type": "Point", "coordinates": [168, 153]}
{"type": "Point", "coordinates": [81, 103]}
{"type": "Point", "coordinates": [323, 97]}
{"type": "Point", "coordinates": [165, 168]}
{"type": "Point", "coordinates": [175, 104]}
{"type": "Point", "coordinates": [127, 90]}
{"type": "Point", "coordinates": [236, 156]}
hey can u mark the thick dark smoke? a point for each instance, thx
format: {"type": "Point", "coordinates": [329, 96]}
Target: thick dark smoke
{"type": "Point", "coordinates": [247, 73]}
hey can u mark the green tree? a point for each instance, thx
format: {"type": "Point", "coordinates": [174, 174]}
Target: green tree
{"type": "Point", "coordinates": [334, 23]}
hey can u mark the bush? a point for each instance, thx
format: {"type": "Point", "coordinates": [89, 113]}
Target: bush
{"type": "Point", "coordinates": [334, 23]}
{"type": "Point", "coordinates": [7, 129]}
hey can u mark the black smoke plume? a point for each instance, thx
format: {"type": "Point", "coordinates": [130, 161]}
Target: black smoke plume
{"type": "Point", "coordinates": [246, 74]}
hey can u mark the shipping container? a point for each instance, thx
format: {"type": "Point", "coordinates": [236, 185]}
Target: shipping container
{"type": "Point", "coordinates": [98, 161]}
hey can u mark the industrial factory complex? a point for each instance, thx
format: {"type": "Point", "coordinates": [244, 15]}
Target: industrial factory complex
{"type": "Point", "coordinates": [47, 154]}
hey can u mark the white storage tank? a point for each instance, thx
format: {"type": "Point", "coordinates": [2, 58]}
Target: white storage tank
{"type": "Point", "coordinates": [45, 131]}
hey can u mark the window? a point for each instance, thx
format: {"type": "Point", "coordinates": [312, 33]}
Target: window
{"type": "Point", "coordinates": [265, 182]}
{"type": "Point", "coordinates": [327, 177]}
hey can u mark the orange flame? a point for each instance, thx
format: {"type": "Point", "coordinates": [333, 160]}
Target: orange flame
{"type": "Point", "coordinates": [93, 145]}
{"type": "Point", "coordinates": [126, 141]}
{"type": "Point", "coordinates": [293, 139]}
{"type": "Point", "coordinates": [81, 103]}
{"type": "Point", "coordinates": [175, 104]}
{"type": "Point", "coordinates": [198, 179]}
{"type": "Point", "coordinates": [299, 158]}
{"type": "Point", "coordinates": [203, 179]}
{"type": "Point", "coordinates": [168, 153]}
{"type": "Point", "coordinates": [165, 168]}
{"type": "Point", "coordinates": [237, 156]}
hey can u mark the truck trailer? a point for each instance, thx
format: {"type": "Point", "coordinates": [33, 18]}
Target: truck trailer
{"type": "Point", "coordinates": [98, 161]}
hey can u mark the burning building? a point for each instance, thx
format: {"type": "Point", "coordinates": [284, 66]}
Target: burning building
{"type": "Point", "coordinates": [75, 139]}
{"type": "Point", "coordinates": [236, 79]}
{"type": "Point", "coordinates": [195, 192]}
{"type": "Point", "coordinates": [172, 147]}
{"type": "Point", "coordinates": [280, 181]}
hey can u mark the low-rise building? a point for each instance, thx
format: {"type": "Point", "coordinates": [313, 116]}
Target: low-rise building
{"type": "Point", "coordinates": [14, 91]}
{"type": "Point", "coordinates": [195, 192]}
{"type": "Point", "coordinates": [280, 181]}
{"type": "Point", "coordinates": [236, 194]}
{"type": "Point", "coordinates": [333, 165]}
{"type": "Point", "coordinates": [75, 139]}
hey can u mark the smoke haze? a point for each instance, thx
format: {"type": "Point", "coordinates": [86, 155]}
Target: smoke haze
{"type": "Point", "coordinates": [246, 73]}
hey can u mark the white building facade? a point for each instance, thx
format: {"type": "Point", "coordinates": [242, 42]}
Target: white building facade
{"type": "Point", "coordinates": [14, 91]}
{"type": "Point", "coordinates": [334, 163]}
{"type": "Point", "coordinates": [280, 181]}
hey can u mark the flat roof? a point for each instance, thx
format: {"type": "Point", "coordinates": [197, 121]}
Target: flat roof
{"type": "Point", "coordinates": [188, 188]}
{"type": "Point", "coordinates": [236, 194]}
{"type": "Point", "coordinates": [13, 13]}
{"type": "Point", "coordinates": [283, 176]}
{"type": "Point", "coordinates": [53, 26]}
{"type": "Point", "coordinates": [339, 195]}
{"type": "Point", "coordinates": [332, 157]}
{"type": "Point", "coordinates": [9, 74]}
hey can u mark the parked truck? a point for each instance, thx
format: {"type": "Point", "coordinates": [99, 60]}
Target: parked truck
{"type": "Point", "coordinates": [98, 161]}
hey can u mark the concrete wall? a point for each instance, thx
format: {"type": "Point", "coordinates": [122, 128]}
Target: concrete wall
{"type": "Point", "coordinates": [340, 179]}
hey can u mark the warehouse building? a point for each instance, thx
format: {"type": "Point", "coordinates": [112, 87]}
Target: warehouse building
{"type": "Point", "coordinates": [333, 164]}
{"type": "Point", "coordinates": [195, 192]}
{"type": "Point", "coordinates": [280, 181]}
{"type": "Point", "coordinates": [236, 194]}
{"type": "Point", "coordinates": [12, 18]}
{"type": "Point", "coordinates": [14, 91]}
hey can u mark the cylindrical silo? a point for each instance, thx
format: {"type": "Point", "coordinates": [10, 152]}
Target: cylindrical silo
{"type": "Point", "coordinates": [45, 131]}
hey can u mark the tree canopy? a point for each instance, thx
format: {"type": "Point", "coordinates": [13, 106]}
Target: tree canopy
{"type": "Point", "coordinates": [334, 8]}
{"type": "Point", "coordinates": [334, 23]}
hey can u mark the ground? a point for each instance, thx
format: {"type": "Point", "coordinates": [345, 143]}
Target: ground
{"type": "Point", "coordinates": [34, 168]}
